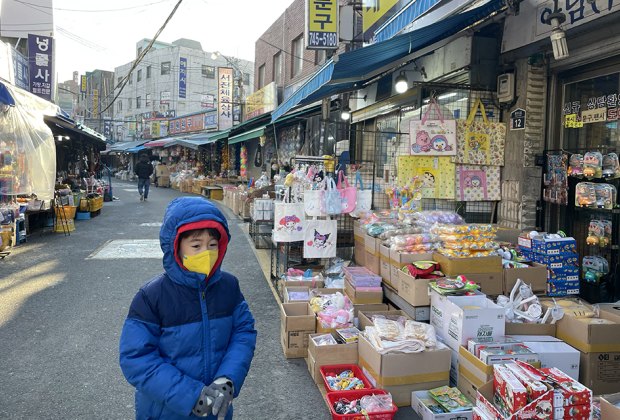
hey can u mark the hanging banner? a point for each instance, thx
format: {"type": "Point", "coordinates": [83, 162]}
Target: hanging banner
{"type": "Point", "coordinates": [83, 83]}
{"type": "Point", "coordinates": [262, 101]}
{"type": "Point", "coordinates": [40, 60]}
{"type": "Point", "coordinates": [224, 98]}
{"type": "Point", "coordinates": [183, 77]}
{"type": "Point", "coordinates": [321, 24]}
{"type": "Point", "coordinates": [95, 107]}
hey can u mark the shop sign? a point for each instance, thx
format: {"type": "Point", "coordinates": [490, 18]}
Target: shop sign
{"type": "Point", "coordinates": [83, 83]}
{"type": "Point", "coordinates": [107, 129]}
{"type": "Point", "coordinates": [183, 77]}
{"type": "Point", "coordinates": [321, 24]}
{"type": "Point", "coordinates": [210, 121]}
{"type": "Point", "coordinates": [155, 114]}
{"type": "Point", "coordinates": [187, 124]}
{"type": "Point", "coordinates": [164, 97]}
{"type": "Point", "coordinates": [597, 109]}
{"type": "Point", "coordinates": [224, 98]}
{"type": "Point", "coordinates": [517, 119]}
{"type": "Point", "coordinates": [572, 121]}
{"type": "Point", "coordinates": [376, 12]}
{"type": "Point", "coordinates": [41, 65]}
{"type": "Point", "coordinates": [207, 101]}
{"type": "Point", "coordinates": [594, 115]}
{"type": "Point", "coordinates": [95, 108]}
{"type": "Point", "coordinates": [20, 69]}
{"type": "Point", "coordinates": [528, 26]}
{"type": "Point", "coordinates": [261, 101]}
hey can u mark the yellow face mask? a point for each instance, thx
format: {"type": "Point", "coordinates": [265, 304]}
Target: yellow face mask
{"type": "Point", "coordinates": [201, 263]}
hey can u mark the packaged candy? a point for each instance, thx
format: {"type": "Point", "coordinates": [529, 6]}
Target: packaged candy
{"type": "Point", "coordinates": [611, 166]}
{"type": "Point", "coordinates": [345, 381]}
{"type": "Point", "coordinates": [568, 392]}
{"type": "Point", "coordinates": [593, 165]}
{"type": "Point", "coordinates": [575, 165]}
{"type": "Point", "coordinates": [585, 194]}
{"type": "Point", "coordinates": [451, 399]}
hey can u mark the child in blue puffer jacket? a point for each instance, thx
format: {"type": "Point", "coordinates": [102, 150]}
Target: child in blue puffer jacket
{"type": "Point", "coordinates": [189, 337]}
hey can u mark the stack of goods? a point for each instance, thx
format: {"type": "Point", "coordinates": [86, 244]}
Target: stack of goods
{"type": "Point", "coordinates": [333, 311]}
{"type": "Point", "coordinates": [334, 274]}
{"type": "Point", "coordinates": [348, 335]}
{"type": "Point", "coordinates": [523, 306]}
{"type": "Point", "coordinates": [344, 378]}
{"type": "Point", "coordinates": [403, 336]}
{"type": "Point", "coordinates": [415, 243]}
{"type": "Point", "coordinates": [559, 254]}
{"type": "Point", "coordinates": [446, 400]}
{"type": "Point", "coordinates": [370, 404]}
{"type": "Point", "coordinates": [473, 240]}
{"type": "Point", "coordinates": [362, 286]}
{"type": "Point", "coordinates": [459, 286]}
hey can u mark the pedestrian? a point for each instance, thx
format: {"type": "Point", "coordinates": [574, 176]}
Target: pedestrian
{"type": "Point", "coordinates": [189, 337]}
{"type": "Point", "coordinates": [144, 169]}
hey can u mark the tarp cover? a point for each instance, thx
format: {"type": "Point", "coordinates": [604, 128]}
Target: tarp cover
{"type": "Point", "coordinates": [27, 149]}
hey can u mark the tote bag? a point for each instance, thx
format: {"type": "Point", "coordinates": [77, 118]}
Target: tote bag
{"type": "Point", "coordinates": [432, 137]}
{"type": "Point", "coordinates": [320, 238]}
{"type": "Point", "coordinates": [478, 183]}
{"type": "Point", "coordinates": [480, 142]}
{"type": "Point", "coordinates": [312, 203]}
{"type": "Point", "coordinates": [348, 193]}
{"type": "Point", "coordinates": [331, 201]}
{"type": "Point", "coordinates": [288, 222]}
{"type": "Point", "coordinates": [363, 198]}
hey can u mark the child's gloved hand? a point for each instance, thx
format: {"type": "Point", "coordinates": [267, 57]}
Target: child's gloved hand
{"type": "Point", "coordinates": [203, 406]}
{"type": "Point", "coordinates": [221, 391]}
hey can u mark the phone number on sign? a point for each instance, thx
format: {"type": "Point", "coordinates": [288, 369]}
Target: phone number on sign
{"type": "Point", "coordinates": [323, 39]}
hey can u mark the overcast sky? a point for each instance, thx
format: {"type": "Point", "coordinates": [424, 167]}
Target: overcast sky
{"type": "Point", "coordinates": [229, 26]}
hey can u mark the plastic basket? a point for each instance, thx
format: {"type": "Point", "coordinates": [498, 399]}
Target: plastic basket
{"type": "Point", "coordinates": [82, 215]}
{"type": "Point", "coordinates": [338, 369]}
{"type": "Point", "coordinates": [64, 226]}
{"type": "Point", "coordinates": [68, 212]}
{"type": "Point", "coordinates": [332, 397]}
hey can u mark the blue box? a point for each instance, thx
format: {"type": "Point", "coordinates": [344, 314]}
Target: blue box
{"type": "Point", "coordinates": [559, 288]}
{"type": "Point", "coordinates": [554, 246]}
{"type": "Point", "coordinates": [570, 273]}
{"type": "Point", "coordinates": [557, 261]}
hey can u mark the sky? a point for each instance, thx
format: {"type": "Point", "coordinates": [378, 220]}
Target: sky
{"type": "Point", "coordinates": [86, 41]}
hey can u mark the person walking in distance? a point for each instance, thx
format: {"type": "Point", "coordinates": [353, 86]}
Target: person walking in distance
{"type": "Point", "coordinates": [144, 169]}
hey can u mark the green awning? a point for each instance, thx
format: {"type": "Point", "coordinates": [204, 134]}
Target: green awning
{"type": "Point", "coordinates": [257, 132]}
{"type": "Point", "coordinates": [219, 136]}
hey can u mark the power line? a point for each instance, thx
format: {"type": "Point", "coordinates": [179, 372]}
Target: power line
{"type": "Point", "coordinates": [91, 10]}
{"type": "Point", "coordinates": [285, 52]}
{"type": "Point", "coordinates": [142, 55]}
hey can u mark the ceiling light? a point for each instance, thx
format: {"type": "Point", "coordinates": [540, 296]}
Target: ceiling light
{"type": "Point", "coordinates": [345, 113]}
{"type": "Point", "coordinates": [558, 41]}
{"type": "Point", "coordinates": [401, 83]}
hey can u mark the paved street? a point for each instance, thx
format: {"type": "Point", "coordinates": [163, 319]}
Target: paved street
{"type": "Point", "coordinates": [61, 312]}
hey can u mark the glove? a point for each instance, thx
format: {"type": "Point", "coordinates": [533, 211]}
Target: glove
{"type": "Point", "coordinates": [203, 406]}
{"type": "Point", "coordinates": [222, 391]}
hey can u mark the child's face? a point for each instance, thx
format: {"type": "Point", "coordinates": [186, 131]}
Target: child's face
{"type": "Point", "coordinates": [198, 242]}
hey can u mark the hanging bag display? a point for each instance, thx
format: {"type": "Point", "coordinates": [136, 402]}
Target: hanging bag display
{"type": "Point", "coordinates": [480, 142]}
{"type": "Point", "coordinates": [312, 197]}
{"type": "Point", "coordinates": [288, 221]}
{"type": "Point", "coordinates": [331, 201]}
{"type": "Point", "coordinates": [478, 183]}
{"type": "Point", "coordinates": [348, 193]}
{"type": "Point", "coordinates": [432, 137]}
{"type": "Point", "coordinates": [320, 238]}
{"type": "Point", "coordinates": [363, 198]}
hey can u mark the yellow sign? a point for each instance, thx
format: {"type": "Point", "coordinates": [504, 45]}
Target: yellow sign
{"type": "Point", "coordinates": [572, 121]}
{"type": "Point", "coordinates": [83, 84]}
{"type": "Point", "coordinates": [321, 24]}
{"type": "Point", "coordinates": [374, 10]}
{"type": "Point", "coordinates": [95, 102]}
{"type": "Point", "coordinates": [261, 101]}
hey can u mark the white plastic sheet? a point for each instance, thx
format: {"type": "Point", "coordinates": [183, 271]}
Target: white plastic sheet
{"type": "Point", "coordinates": [27, 149]}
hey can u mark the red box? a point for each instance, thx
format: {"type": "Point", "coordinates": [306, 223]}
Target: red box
{"type": "Point", "coordinates": [568, 392]}
{"type": "Point", "coordinates": [541, 408]}
{"type": "Point", "coordinates": [576, 412]}
{"type": "Point", "coordinates": [535, 389]}
{"type": "Point", "coordinates": [338, 369]}
{"type": "Point", "coordinates": [509, 389]}
{"type": "Point", "coordinates": [332, 397]}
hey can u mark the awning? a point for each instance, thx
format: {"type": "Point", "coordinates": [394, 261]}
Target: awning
{"type": "Point", "coordinates": [159, 142]}
{"type": "Point", "coordinates": [352, 69]}
{"type": "Point", "coordinates": [135, 149]}
{"type": "Point", "coordinates": [220, 135]}
{"type": "Point", "coordinates": [73, 128]}
{"type": "Point", "coordinates": [126, 146]}
{"type": "Point", "coordinates": [248, 135]}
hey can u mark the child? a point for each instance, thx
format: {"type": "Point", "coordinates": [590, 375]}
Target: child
{"type": "Point", "coordinates": [189, 337]}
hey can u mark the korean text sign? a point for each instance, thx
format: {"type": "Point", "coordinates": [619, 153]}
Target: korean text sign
{"type": "Point", "coordinates": [183, 77]}
{"type": "Point", "coordinates": [225, 97]}
{"type": "Point", "coordinates": [322, 24]}
{"type": "Point", "coordinates": [41, 65]}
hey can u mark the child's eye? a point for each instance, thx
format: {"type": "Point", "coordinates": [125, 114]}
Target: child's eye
{"type": "Point", "coordinates": [195, 246]}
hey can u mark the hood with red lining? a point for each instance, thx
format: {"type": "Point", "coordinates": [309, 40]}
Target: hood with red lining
{"type": "Point", "coordinates": [190, 213]}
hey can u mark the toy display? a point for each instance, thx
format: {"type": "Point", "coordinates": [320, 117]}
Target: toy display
{"type": "Point", "coordinates": [599, 233]}
{"type": "Point", "coordinates": [333, 311]}
{"type": "Point", "coordinates": [593, 165]}
{"type": "Point", "coordinates": [585, 195]}
{"type": "Point", "coordinates": [344, 381]}
{"type": "Point", "coordinates": [377, 402]}
{"type": "Point", "coordinates": [575, 165]}
{"type": "Point", "coordinates": [611, 166]}
{"type": "Point", "coordinates": [594, 268]}
{"type": "Point", "coordinates": [605, 196]}
{"type": "Point", "coordinates": [556, 182]}
{"type": "Point", "coordinates": [471, 240]}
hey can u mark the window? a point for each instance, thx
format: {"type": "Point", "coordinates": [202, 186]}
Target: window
{"type": "Point", "coordinates": [139, 102]}
{"type": "Point", "coordinates": [139, 75]}
{"type": "Point", "coordinates": [139, 52]}
{"type": "Point", "coordinates": [246, 79]}
{"type": "Point", "coordinates": [130, 76]}
{"type": "Point", "coordinates": [148, 72]}
{"type": "Point", "coordinates": [261, 76]}
{"type": "Point", "coordinates": [277, 68]}
{"type": "Point", "coordinates": [320, 56]}
{"type": "Point", "coordinates": [165, 68]}
{"type": "Point", "coordinates": [208, 71]}
{"type": "Point", "coordinates": [119, 106]}
{"type": "Point", "coordinates": [148, 100]}
{"type": "Point", "coordinates": [298, 55]}
{"type": "Point", "coordinates": [119, 79]}
{"type": "Point", "coordinates": [129, 104]}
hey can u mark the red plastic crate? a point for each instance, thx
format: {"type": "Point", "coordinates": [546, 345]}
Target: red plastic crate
{"type": "Point", "coordinates": [332, 397]}
{"type": "Point", "coordinates": [338, 369]}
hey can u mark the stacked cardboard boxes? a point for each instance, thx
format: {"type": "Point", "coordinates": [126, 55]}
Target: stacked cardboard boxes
{"type": "Point", "coordinates": [363, 286]}
{"type": "Point", "coordinates": [297, 323]}
{"type": "Point", "coordinates": [486, 271]}
{"type": "Point", "coordinates": [330, 354]}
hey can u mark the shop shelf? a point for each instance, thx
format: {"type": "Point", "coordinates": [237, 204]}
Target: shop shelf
{"type": "Point", "coordinates": [332, 397]}
{"type": "Point", "coordinates": [338, 369]}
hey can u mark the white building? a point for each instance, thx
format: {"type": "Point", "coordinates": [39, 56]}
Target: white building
{"type": "Point", "coordinates": [156, 86]}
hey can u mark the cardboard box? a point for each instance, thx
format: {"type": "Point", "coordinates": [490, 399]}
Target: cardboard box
{"type": "Point", "coordinates": [412, 290]}
{"type": "Point", "coordinates": [328, 355]}
{"type": "Point", "coordinates": [562, 287]}
{"type": "Point", "coordinates": [358, 296]}
{"type": "Point", "coordinates": [457, 266]}
{"type": "Point", "coordinates": [371, 261]}
{"type": "Point", "coordinates": [417, 403]}
{"type": "Point", "coordinates": [513, 328]}
{"type": "Point", "coordinates": [456, 321]}
{"type": "Point", "coordinates": [490, 283]}
{"type": "Point", "coordinates": [467, 388]}
{"type": "Point", "coordinates": [162, 170]}
{"type": "Point", "coordinates": [359, 232]}
{"type": "Point", "coordinates": [300, 289]}
{"type": "Point", "coordinates": [283, 284]}
{"type": "Point", "coordinates": [360, 251]}
{"type": "Point", "coordinates": [474, 370]}
{"type": "Point", "coordinates": [384, 262]}
{"type": "Point", "coordinates": [610, 407]}
{"type": "Point", "coordinates": [399, 259]}
{"type": "Point", "coordinates": [402, 373]}
{"type": "Point", "coordinates": [559, 246]}
{"type": "Point", "coordinates": [544, 404]}
{"type": "Point", "coordinates": [535, 275]}
{"type": "Point", "coordinates": [297, 322]}
{"type": "Point", "coordinates": [556, 354]}
{"type": "Point", "coordinates": [163, 181]}
{"type": "Point", "coordinates": [600, 372]}
{"type": "Point", "coordinates": [372, 307]}
{"type": "Point", "coordinates": [365, 317]}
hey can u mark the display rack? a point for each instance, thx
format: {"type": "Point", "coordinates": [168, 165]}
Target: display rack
{"type": "Point", "coordinates": [260, 233]}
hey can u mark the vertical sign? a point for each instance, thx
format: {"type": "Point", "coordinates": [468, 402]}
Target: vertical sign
{"type": "Point", "coordinates": [224, 97]}
{"type": "Point", "coordinates": [183, 78]}
{"type": "Point", "coordinates": [83, 84]}
{"type": "Point", "coordinates": [20, 66]}
{"type": "Point", "coordinates": [95, 103]}
{"type": "Point", "coordinates": [377, 12]}
{"type": "Point", "coordinates": [41, 71]}
{"type": "Point", "coordinates": [321, 24]}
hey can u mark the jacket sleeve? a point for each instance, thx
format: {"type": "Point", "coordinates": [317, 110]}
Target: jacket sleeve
{"type": "Point", "coordinates": [143, 366]}
{"type": "Point", "coordinates": [236, 363]}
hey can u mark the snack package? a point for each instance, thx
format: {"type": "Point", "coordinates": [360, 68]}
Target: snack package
{"type": "Point", "coordinates": [611, 166]}
{"type": "Point", "coordinates": [457, 286]}
{"type": "Point", "coordinates": [568, 392]}
{"type": "Point", "coordinates": [585, 194]}
{"type": "Point", "coordinates": [535, 388]}
{"type": "Point", "coordinates": [575, 165]}
{"type": "Point", "coordinates": [451, 399]}
{"type": "Point", "coordinates": [511, 395]}
{"type": "Point", "coordinates": [593, 165]}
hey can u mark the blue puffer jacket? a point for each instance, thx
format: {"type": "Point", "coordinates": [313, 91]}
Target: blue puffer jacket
{"type": "Point", "coordinates": [182, 332]}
